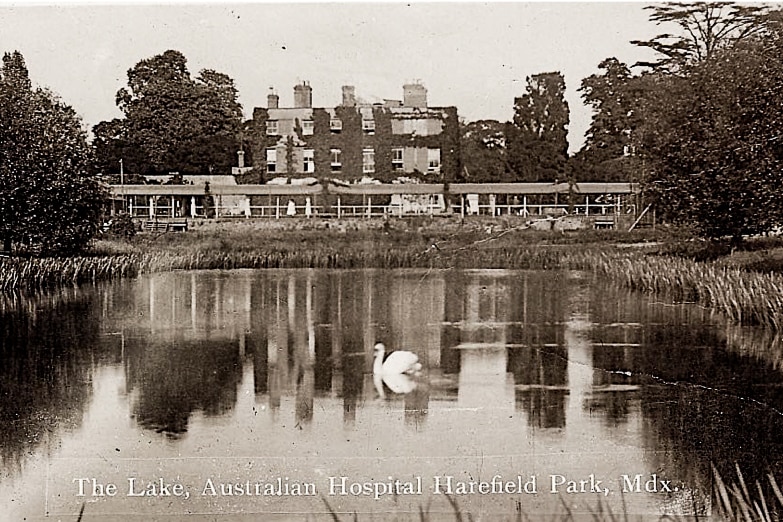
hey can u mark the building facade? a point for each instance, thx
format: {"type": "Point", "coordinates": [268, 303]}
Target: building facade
{"type": "Point", "coordinates": [355, 140]}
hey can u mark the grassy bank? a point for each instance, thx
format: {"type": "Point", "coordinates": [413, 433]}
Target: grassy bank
{"type": "Point", "coordinates": [727, 280]}
{"type": "Point", "coordinates": [241, 245]}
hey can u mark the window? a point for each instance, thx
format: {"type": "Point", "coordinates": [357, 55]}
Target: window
{"type": "Point", "coordinates": [307, 127]}
{"type": "Point", "coordinates": [271, 127]}
{"type": "Point", "coordinates": [368, 126]}
{"type": "Point", "coordinates": [397, 163]}
{"type": "Point", "coordinates": [433, 160]}
{"type": "Point", "coordinates": [336, 159]}
{"type": "Point", "coordinates": [368, 161]}
{"type": "Point", "coordinates": [308, 159]}
{"type": "Point", "coordinates": [271, 160]}
{"type": "Point", "coordinates": [335, 125]}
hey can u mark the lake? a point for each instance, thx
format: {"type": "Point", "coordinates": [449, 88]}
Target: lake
{"type": "Point", "coordinates": [244, 394]}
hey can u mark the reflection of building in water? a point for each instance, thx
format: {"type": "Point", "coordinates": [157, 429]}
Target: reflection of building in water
{"type": "Point", "coordinates": [477, 313]}
{"type": "Point", "coordinates": [537, 355]}
{"type": "Point", "coordinates": [579, 349]}
{"type": "Point", "coordinates": [184, 341]}
{"type": "Point", "coordinates": [521, 340]}
{"type": "Point", "coordinates": [191, 306]}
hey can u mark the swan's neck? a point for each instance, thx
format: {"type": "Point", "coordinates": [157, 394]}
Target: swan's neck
{"type": "Point", "coordinates": [377, 365]}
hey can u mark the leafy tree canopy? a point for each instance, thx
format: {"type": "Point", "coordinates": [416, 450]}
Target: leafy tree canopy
{"type": "Point", "coordinates": [537, 138]}
{"type": "Point", "coordinates": [716, 157]}
{"type": "Point", "coordinates": [172, 121]}
{"type": "Point", "coordinates": [617, 99]}
{"type": "Point", "coordinates": [484, 152]}
{"type": "Point", "coordinates": [613, 101]}
{"type": "Point", "coordinates": [48, 202]}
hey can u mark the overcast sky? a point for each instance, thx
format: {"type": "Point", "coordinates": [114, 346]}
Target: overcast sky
{"type": "Point", "coordinates": [474, 56]}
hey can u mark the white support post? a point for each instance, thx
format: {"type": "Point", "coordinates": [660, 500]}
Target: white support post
{"type": "Point", "coordinates": [152, 208]}
{"type": "Point", "coordinates": [369, 206]}
{"type": "Point", "coordinates": [462, 206]}
{"type": "Point", "coordinates": [587, 205]}
{"type": "Point", "coordinates": [192, 206]}
{"type": "Point", "coordinates": [338, 207]}
{"type": "Point", "coordinates": [277, 208]}
{"type": "Point", "coordinates": [524, 206]}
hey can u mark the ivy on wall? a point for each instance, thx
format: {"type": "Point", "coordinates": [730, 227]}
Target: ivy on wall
{"type": "Point", "coordinates": [290, 167]}
{"type": "Point", "coordinates": [381, 141]}
{"type": "Point", "coordinates": [352, 139]}
{"type": "Point", "coordinates": [451, 163]}
{"type": "Point", "coordinates": [350, 142]}
{"type": "Point", "coordinates": [257, 139]}
{"type": "Point", "coordinates": [319, 142]}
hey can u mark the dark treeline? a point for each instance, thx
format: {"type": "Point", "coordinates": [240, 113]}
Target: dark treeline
{"type": "Point", "coordinates": [697, 126]}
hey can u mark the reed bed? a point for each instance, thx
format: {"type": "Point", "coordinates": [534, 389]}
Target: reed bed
{"type": "Point", "coordinates": [742, 296]}
{"type": "Point", "coordinates": [738, 502]}
{"type": "Point", "coordinates": [40, 273]}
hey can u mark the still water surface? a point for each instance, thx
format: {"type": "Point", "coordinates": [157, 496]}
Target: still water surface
{"type": "Point", "coordinates": [252, 392]}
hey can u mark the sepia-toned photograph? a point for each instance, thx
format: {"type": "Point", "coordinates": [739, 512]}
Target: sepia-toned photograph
{"type": "Point", "coordinates": [427, 261]}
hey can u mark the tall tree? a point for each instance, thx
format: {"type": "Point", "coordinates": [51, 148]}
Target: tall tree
{"type": "Point", "coordinates": [537, 138]}
{"type": "Point", "coordinates": [616, 97]}
{"type": "Point", "coordinates": [484, 153]}
{"type": "Point", "coordinates": [172, 121]}
{"type": "Point", "coordinates": [716, 158]}
{"type": "Point", "coordinates": [703, 28]}
{"type": "Point", "coordinates": [612, 97]}
{"type": "Point", "coordinates": [48, 202]}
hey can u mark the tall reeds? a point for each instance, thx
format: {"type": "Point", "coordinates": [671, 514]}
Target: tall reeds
{"type": "Point", "coordinates": [40, 273]}
{"type": "Point", "coordinates": [742, 296]}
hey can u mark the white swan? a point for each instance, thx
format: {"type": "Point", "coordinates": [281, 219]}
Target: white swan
{"type": "Point", "coordinates": [396, 371]}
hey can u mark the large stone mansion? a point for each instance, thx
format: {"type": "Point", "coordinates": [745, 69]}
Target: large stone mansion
{"type": "Point", "coordinates": [385, 141]}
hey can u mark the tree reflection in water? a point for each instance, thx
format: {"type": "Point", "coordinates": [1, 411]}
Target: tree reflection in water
{"type": "Point", "coordinates": [170, 380]}
{"type": "Point", "coordinates": [558, 350]}
{"type": "Point", "coordinates": [48, 345]}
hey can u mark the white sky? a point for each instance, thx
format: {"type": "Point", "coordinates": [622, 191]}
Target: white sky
{"type": "Point", "coordinates": [474, 56]}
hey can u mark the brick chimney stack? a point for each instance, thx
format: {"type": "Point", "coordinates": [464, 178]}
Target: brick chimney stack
{"type": "Point", "coordinates": [272, 99]}
{"type": "Point", "coordinates": [349, 96]}
{"type": "Point", "coordinates": [303, 96]}
{"type": "Point", "coordinates": [414, 95]}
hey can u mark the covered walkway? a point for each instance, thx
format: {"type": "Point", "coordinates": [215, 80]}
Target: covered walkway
{"type": "Point", "coordinates": [375, 200]}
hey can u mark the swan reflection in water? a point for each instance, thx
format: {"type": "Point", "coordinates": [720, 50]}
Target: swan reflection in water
{"type": "Point", "coordinates": [399, 372]}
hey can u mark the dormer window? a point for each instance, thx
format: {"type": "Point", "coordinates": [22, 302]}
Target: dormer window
{"type": "Point", "coordinates": [368, 126]}
{"type": "Point", "coordinates": [271, 127]}
{"type": "Point", "coordinates": [307, 127]}
{"type": "Point", "coordinates": [335, 125]}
